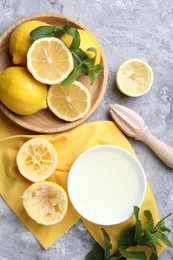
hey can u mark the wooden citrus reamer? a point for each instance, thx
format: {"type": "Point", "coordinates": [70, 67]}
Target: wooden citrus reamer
{"type": "Point", "coordinates": [133, 125]}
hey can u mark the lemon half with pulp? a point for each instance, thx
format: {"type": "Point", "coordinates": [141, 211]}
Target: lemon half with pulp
{"type": "Point", "coordinates": [71, 102]}
{"type": "Point", "coordinates": [49, 60]}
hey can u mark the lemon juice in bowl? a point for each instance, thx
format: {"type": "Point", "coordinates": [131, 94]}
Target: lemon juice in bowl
{"type": "Point", "coordinates": [105, 183]}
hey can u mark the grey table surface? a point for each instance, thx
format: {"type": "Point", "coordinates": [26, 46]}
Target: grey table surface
{"type": "Point", "coordinates": [126, 29]}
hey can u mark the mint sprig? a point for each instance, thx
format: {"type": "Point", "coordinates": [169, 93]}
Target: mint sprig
{"type": "Point", "coordinates": [150, 236]}
{"type": "Point", "coordinates": [48, 31]}
{"type": "Point", "coordinates": [82, 63]}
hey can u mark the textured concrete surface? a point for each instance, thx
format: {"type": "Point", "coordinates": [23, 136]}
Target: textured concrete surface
{"type": "Point", "coordinates": [126, 29]}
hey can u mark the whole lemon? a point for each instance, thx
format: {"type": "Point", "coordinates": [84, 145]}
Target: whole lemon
{"type": "Point", "coordinates": [20, 41]}
{"type": "Point", "coordinates": [86, 41]}
{"type": "Point", "coordinates": [20, 92]}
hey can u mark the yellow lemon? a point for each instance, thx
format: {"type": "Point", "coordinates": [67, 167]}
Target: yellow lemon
{"type": "Point", "coordinates": [69, 103]}
{"type": "Point", "coordinates": [20, 92]}
{"type": "Point", "coordinates": [49, 60]}
{"type": "Point", "coordinates": [134, 77]}
{"type": "Point", "coordinates": [46, 202]}
{"type": "Point", "coordinates": [86, 41]}
{"type": "Point", "coordinates": [20, 41]}
{"type": "Point", "coordinates": [37, 159]}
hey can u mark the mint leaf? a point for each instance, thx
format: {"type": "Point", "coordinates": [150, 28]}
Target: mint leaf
{"type": "Point", "coordinates": [133, 254]}
{"type": "Point", "coordinates": [163, 229]}
{"type": "Point", "coordinates": [94, 51]}
{"type": "Point", "coordinates": [91, 76]}
{"type": "Point", "coordinates": [126, 238]}
{"type": "Point", "coordinates": [42, 31]}
{"type": "Point", "coordinates": [151, 237]}
{"type": "Point", "coordinates": [90, 62]}
{"type": "Point", "coordinates": [76, 38]}
{"type": "Point", "coordinates": [79, 55]}
{"type": "Point", "coordinates": [138, 227]}
{"type": "Point", "coordinates": [97, 68]}
{"type": "Point", "coordinates": [96, 254]}
{"type": "Point", "coordinates": [150, 224]}
{"type": "Point", "coordinates": [108, 245]}
{"type": "Point", "coordinates": [72, 77]}
{"type": "Point", "coordinates": [59, 31]}
{"type": "Point", "coordinates": [147, 241]}
{"type": "Point", "coordinates": [161, 222]}
{"type": "Point", "coordinates": [49, 31]}
{"type": "Point", "coordinates": [163, 238]}
{"type": "Point", "coordinates": [153, 257]}
{"type": "Point", "coordinates": [85, 69]}
{"type": "Point", "coordinates": [76, 60]}
{"type": "Point", "coordinates": [136, 213]}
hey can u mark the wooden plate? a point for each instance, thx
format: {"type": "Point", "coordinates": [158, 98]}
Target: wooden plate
{"type": "Point", "coordinates": [45, 121]}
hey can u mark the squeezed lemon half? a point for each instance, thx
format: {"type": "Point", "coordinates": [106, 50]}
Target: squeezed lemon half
{"type": "Point", "coordinates": [134, 77]}
{"type": "Point", "coordinates": [37, 159]}
{"type": "Point", "coordinates": [45, 202]}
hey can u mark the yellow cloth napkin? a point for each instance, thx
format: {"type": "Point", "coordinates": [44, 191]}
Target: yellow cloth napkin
{"type": "Point", "coordinates": [69, 146]}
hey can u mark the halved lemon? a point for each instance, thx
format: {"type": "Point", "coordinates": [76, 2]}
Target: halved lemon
{"type": "Point", "coordinates": [37, 159]}
{"type": "Point", "coordinates": [134, 77]}
{"type": "Point", "coordinates": [69, 103]}
{"type": "Point", "coordinates": [46, 202]}
{"type": "Point", "coordinates": [49, 60]}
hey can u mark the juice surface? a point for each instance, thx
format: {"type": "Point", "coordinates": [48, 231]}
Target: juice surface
{"type": "Point", "coordinates": [106, 184]}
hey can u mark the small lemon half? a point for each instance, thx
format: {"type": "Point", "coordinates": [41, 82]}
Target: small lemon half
{"type": "Point", "coordinates": [134, 77]}
{"type": "Point", "coordinates": [46, 202]}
